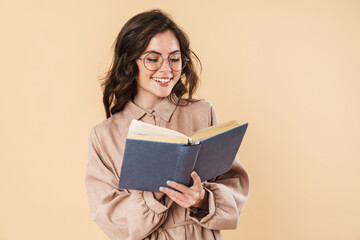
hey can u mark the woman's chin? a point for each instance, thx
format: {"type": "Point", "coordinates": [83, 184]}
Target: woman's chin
{"type": "Point", "coordinates": [163, 94]}
{"type": "Point", "coordinates": [163, 91]}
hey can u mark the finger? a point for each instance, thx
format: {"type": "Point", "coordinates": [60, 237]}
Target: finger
{"type": "Point", "coordinates": [173, 193]}
{"type": "Point", "coordinates": [180, 187]}
{"type": "Point", "coordinates": [197, 182]}
{"type": "Point", "coordinates": [177, 197]}
{"type": "Point", "coordinates": [180, 202]}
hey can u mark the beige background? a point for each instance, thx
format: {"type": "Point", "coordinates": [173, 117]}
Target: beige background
{"type": "Point", "coordinates": [289, 68]}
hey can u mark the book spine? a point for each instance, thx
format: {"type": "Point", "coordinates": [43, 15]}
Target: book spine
{"type": "Point", "coordinates": [185, 165]}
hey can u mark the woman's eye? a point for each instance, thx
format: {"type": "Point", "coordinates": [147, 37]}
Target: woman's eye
{"type": "Point", "coordinates": [175, 59]}
{"type": "Point", "coordinates": [152, 60]}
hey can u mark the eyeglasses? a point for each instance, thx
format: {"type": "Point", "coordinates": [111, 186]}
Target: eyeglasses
{"type": "Point", "coordinates": [153, 61]}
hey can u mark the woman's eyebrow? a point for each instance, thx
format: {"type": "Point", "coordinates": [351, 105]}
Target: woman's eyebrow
{"type": "Point", "coordinates": [152, 51]}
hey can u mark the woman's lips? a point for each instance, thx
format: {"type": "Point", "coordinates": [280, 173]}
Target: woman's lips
{"type": "Point", "coordinates": [162, 82]}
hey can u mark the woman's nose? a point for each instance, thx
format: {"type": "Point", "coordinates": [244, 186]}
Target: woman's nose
{"type": "Point", "coordinates": [165, 67]}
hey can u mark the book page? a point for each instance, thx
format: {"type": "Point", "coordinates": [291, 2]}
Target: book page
{"type": "Point", "coordinates": [214, 130]}
{"type": "Point", "coordinates": [140, 130]}
{"type": "Point", "coordinates": [158, 138]}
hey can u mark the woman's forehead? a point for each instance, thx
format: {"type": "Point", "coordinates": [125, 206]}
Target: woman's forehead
{"type": "Point", "coordinates": [164, 43]}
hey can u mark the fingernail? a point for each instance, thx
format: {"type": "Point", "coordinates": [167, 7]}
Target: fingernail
{"type": "Point", "coordinates": [161, 189]}
{"type": "Point", "coordinates": [169, 182]}
{"type": "Point", "coordinates": [193, 173]}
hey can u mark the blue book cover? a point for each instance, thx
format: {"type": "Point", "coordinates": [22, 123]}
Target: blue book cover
{"type": "Point", "coordinates": [151, 158]}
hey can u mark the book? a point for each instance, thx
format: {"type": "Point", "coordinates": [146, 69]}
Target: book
{"type": "Point", "coordinates": [155, 154]}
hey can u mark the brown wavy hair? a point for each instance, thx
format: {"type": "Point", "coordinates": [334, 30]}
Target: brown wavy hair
{"type": "Point", "coordinates": [120, 81]}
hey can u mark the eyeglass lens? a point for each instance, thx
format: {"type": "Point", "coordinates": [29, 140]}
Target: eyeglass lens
{"type": "Point", "coordinates": [153, 61]}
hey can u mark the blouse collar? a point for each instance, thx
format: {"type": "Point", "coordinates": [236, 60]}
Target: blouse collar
{"type": "Point", "coordinates": [165, 109]}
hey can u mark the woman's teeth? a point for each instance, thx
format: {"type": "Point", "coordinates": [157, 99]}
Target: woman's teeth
{"type": "Point", "coordinates": [162, 80]}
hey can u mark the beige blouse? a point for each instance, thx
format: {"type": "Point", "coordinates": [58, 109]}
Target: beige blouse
{"type": "Point", "coordinates": [131, 214]}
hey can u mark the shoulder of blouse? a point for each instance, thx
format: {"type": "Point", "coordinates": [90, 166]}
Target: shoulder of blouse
{"type": "Point", "coordinates": [203, 110]}
{"type": "Point", "coordinates": [195, 104]}
{"type": "Point", "coordinates": [116, 121]}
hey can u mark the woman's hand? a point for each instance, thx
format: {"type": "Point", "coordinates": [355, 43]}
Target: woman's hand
{"type": "Point", "coordinates": [194, 196]}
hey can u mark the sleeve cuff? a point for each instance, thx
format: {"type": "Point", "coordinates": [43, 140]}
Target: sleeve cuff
{"type": "Point", "coordinates": [201, 215]}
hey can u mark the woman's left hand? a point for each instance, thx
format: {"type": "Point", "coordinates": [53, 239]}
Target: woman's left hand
{"type": "Point", "coordinates": [194, 196]}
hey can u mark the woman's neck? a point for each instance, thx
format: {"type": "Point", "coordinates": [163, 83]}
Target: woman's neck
{"type": "Point", "coordinates": [147, 103]}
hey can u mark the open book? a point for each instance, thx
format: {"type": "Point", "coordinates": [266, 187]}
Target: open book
{"type": "Point", "coordinates": [155, 154]}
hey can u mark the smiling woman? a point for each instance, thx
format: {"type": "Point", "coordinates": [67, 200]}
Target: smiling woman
{"type": "Point", "coordinates": [155, 79]}
{"type": "Point", "coordinates": [152, 71]}
{"type": "Point", "coordinates": [148, 37]}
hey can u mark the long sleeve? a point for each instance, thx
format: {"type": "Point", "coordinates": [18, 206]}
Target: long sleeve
{"type": "Point", "coordinates": [121, 214]}
{"type": "Point", "coordinates": [228, 194]}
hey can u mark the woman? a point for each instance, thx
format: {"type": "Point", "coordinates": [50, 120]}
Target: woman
{"type": "Point", "coordinates": [152, 70]}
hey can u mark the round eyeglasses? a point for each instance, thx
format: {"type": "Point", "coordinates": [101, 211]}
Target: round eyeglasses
{"type": "Point", "coordinates": [153, 61]}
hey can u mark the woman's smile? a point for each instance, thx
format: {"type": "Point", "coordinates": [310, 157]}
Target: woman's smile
{"type": "Point", "coordinates": [162, 79]}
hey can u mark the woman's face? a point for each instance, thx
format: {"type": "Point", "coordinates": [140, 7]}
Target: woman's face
{"type": "Point", "coordinates": [153, 85]}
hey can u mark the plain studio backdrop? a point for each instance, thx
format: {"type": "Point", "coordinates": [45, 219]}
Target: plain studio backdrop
{"type": "Point", "coordinates": [289, 68]}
